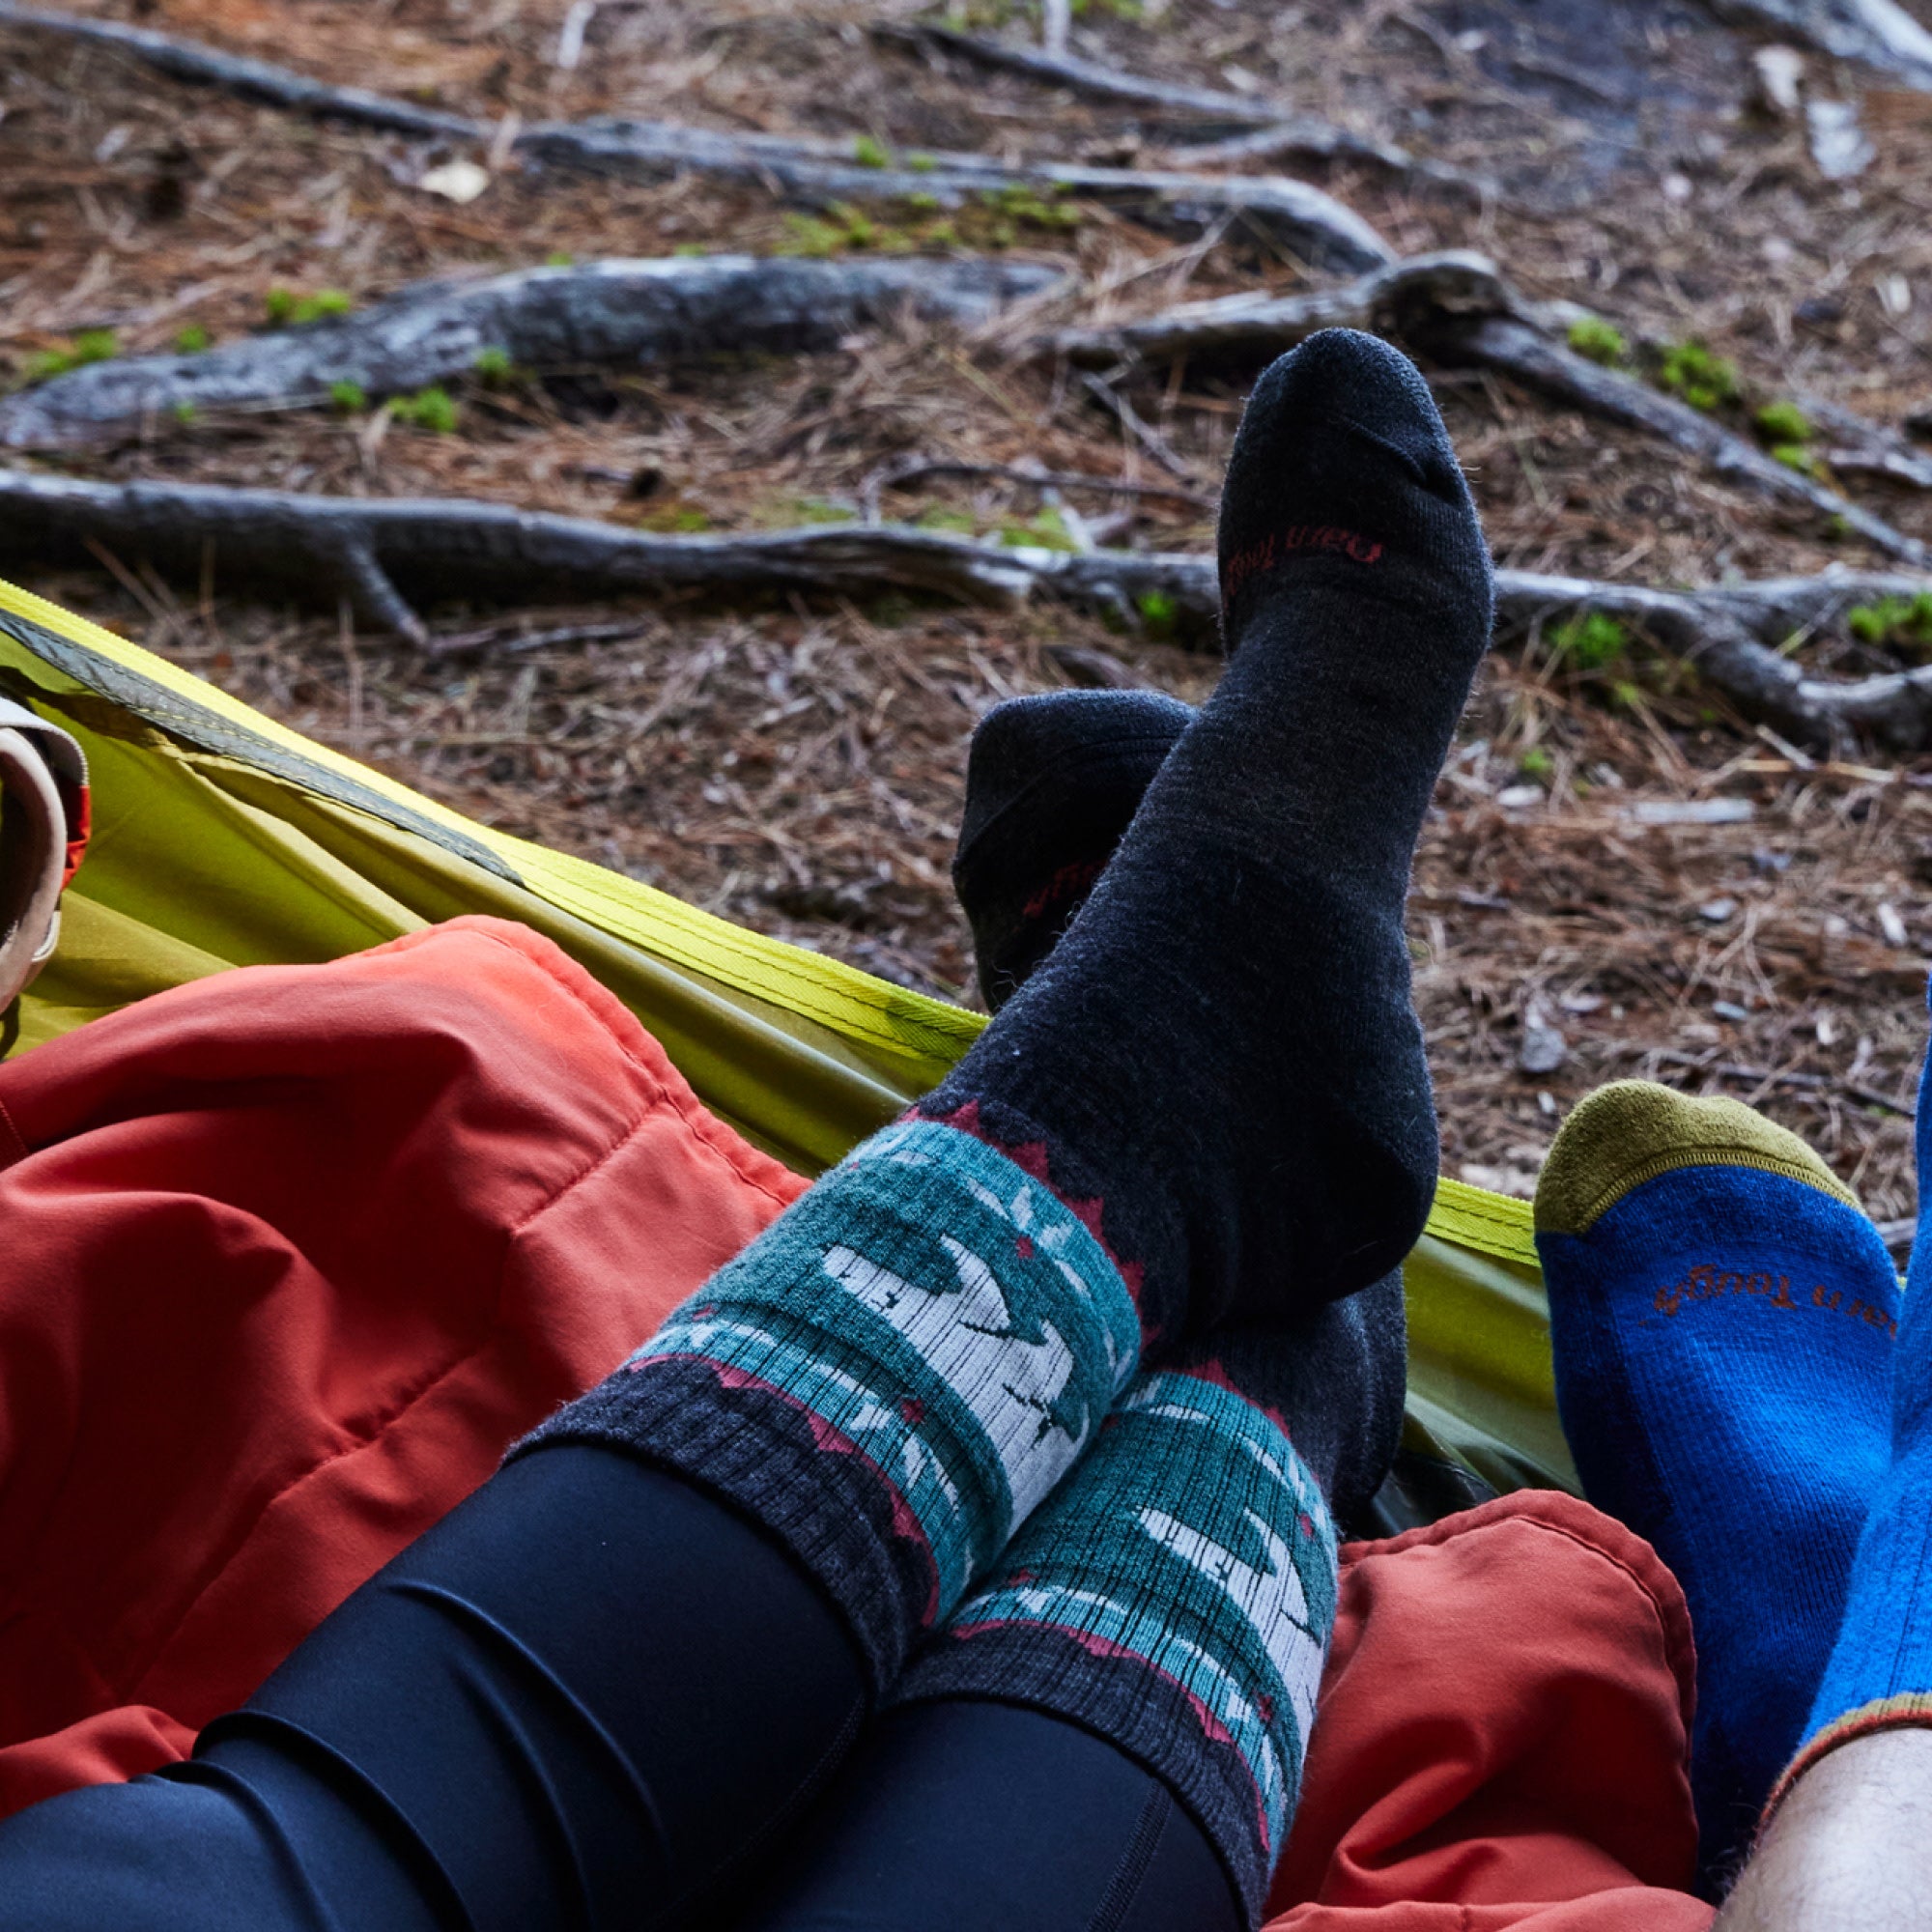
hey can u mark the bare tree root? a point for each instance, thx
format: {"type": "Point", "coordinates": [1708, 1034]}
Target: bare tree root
{"type": "Point", "coordinates": [1455, 309]}
{"type": "Point", "coordinates": [253, 80]}
{"type": "Point", "coordinates": [812, 174]}
{"type": "Point", "coordinates": [1878, 32]}
{"type": "Point", "coordinates": [1271, 129]}
{"type": "Point", "coordinates": [602, 315]}
{"type": "Point", "coordinates": [374, 556]}
{"type": "Point", "coordinates": [816, 174]}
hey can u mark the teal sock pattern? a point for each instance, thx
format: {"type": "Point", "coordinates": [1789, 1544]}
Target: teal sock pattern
{"type": "Point", "coordinates": [891, 1377]}
{"type": "Point", "coordinates": [1175, 1595]}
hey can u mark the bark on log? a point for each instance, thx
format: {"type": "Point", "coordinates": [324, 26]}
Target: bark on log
{"type": "Point", "coordinates": [370, 553]}
{"type": "Point", "coordinates": [253, 80]}
{"type": "Point", "coordinates": [1455, 309]}
{"type": "Point", "coordinates": [602, 315]}
{"type": "Point", "coordinates": [813, 174]}
{"type": "Point", "coordinates": [1274, 129]}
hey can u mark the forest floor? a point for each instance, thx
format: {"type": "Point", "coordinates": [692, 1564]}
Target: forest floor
{"type": "Point", "coordinates": [799, 768]}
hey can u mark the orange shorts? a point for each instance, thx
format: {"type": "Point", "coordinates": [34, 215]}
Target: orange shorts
{"type": "Point", "coordinates": [293, 1254]}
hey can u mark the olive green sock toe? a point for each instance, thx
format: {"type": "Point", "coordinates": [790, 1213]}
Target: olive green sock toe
{"type": "Point", "coordinates": [1633, 1131]}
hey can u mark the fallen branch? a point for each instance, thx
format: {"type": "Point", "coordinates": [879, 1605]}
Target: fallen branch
{"type": "Point", "coordinates": [376, 555]}
{"type": "Point", "coordinates": [252, 79]}
{"type": "Point", "coordinates": [1878, 32]}
{"type": "Point", "coordinates": [604, 315]}
{"type": "Point", "coordinates": [813, 174]}
{"type": "Point", "coordinates": [817, 174]}
{"type": "Point", "coordinates": [1274, 129]}
{"type": "Point", "coordinates": [1456, 309]}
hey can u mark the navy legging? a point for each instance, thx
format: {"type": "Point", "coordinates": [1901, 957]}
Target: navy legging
{"type": "Point", "coordinates": [593, 1698]}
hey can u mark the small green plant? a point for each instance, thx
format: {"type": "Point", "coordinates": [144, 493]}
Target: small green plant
{"type": "Point", "coordinates": [494, 368]}
{"type": "Point", "coordinates": [1588, 642]}
{"type": "Point", "coordinates": [1045, 530]}
{"type": "Point", "coordinates": [560, 258]}
{"type": "Point", "coordinates": [689, 248]}
{"type": "Point", "coordinates": [1536, 763]}
{"type": "Point", "coordinates": [824, 510]}
{"type": "Point", "coordinates": [91, 345]}
{"type": "Point", "coordinates": [922, 202]}
{"type": "Point", "coordinates": [921, 165]}
{"type": "Point", "coordinates": [1017, 202]}
{"type": "Point", "coordinates": [284, 307]}
{"type": "Point", "coordinates": [1795, 456]}
{"type": "Point", "coordinates": [806, 235]}
{"type": "Point", "coordinates": [1601, 341]}
{"type": "Point", "coordinates": [432, 410]}
{"type": "Point", "coordinates": [1705, 380]}
{"type": "Point", "coordinates": [871, 152]}
{"type": "Point", "coordinates": [1782, 422]}
{"type": "Point", "coordinates": [1158, 612]}
{"type": "Point", "coordinates": [185, 413]}
{"type": "Point", "coordinates": [347, 398]}
{"type": "Point", "coordinates": [956, 523]}
{"type": "Point", "coordinates": [191, 340]}
{"type": "Point", "coordinates": [1893, 620]}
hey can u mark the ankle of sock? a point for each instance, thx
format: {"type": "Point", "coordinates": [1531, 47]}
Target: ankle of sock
{"type": "Point", "coordinates": [889, 1379]}
{"type": "Point", "coordinates": [1176, 1596]}
{"type": "Point", "coordinates": [1721, 1314]}
{"type": "Point", "coordinates": [1880, 1674]}
{"type": "Point", "coordinates": [1052, 783]}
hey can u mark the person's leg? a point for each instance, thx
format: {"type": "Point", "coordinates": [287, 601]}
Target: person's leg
{"type": "Point", "coordinates": [1162, 1617]}
{"type": "Point", "coordinates": [891, 1377]}
{"type": "Point", "coordinates": [1721, 1313]}
{"type": "Point", "coordinates": [586, 1697]}
{"type": "Point", "coordinates": [1846, 1839]}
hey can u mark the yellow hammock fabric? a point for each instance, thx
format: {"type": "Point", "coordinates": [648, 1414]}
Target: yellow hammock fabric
{"type": "Point", "coordinates": [223, 838]}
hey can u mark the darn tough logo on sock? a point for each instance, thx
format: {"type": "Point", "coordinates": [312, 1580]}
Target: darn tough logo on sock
{"type": "Point", "coordinates": [1707, 1282]}
{"type": "Point", "coordinates": [1278, 546]}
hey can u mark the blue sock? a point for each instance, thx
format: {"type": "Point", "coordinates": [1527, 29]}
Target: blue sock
{"type": "Point", "coordinates": [1722, 1313]}
{"type": "Point", "coordinates": [1880, 1674]}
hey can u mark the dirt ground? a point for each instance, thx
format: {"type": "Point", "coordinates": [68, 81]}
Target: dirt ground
{"type": "Point", "coordinates": [800, 769]}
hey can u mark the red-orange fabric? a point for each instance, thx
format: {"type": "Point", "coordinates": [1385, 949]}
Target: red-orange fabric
{"type": "Point", "coordinates": [1502, 1736]}
{"type": "Point", "coordinates": [291, 1255]}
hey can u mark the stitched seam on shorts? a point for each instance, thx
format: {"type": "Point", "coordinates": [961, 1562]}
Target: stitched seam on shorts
{"type": "Point", "coordinates": [132, 1693]}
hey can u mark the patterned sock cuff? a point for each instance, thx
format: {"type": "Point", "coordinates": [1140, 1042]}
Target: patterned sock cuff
{"type": "Point", "coordinates": [890, 1378]}
{"type": "Point", "coordinates": [1175, 1596]}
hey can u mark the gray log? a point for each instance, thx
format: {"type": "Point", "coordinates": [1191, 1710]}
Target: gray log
{"type": "Point", "coordinates": [602, 315]}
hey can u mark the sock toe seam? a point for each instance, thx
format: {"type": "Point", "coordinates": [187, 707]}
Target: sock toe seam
{"type": "Point", "coordinates": [1670, 1160]}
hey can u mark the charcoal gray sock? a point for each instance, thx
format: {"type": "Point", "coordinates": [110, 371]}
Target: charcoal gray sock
{"type": "Point", "coordinates": [1218, 1065]}
{"type": "Point", "coordinates": [1052, 783]}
